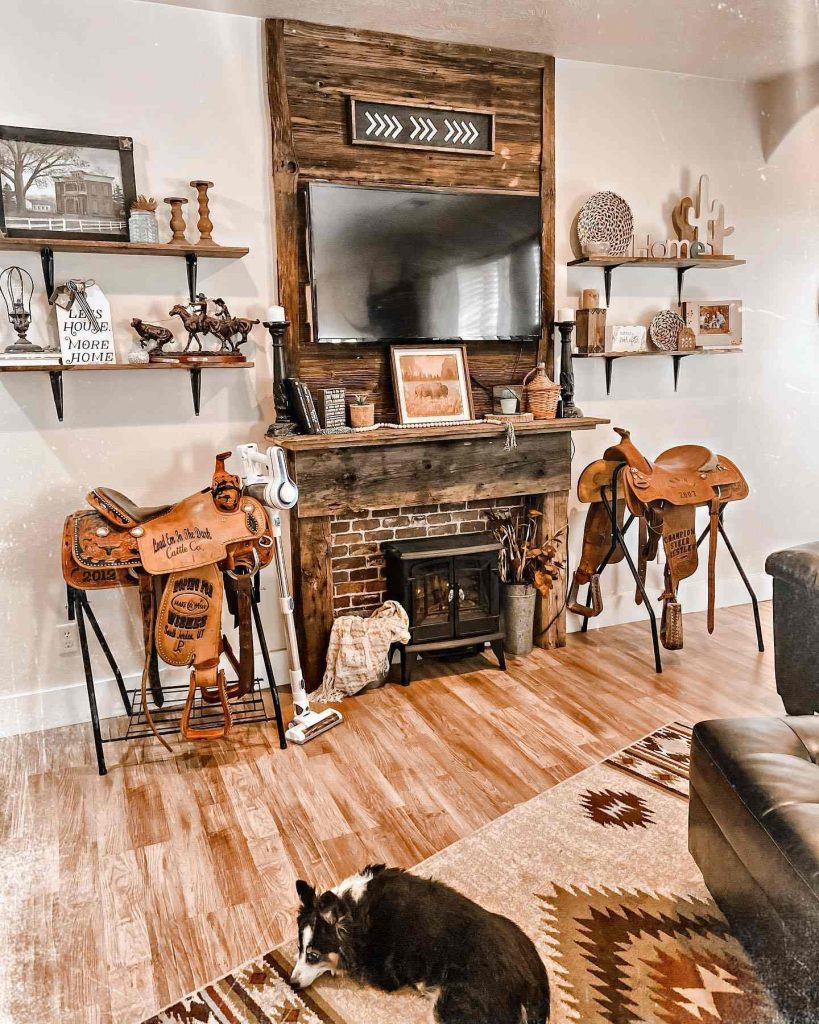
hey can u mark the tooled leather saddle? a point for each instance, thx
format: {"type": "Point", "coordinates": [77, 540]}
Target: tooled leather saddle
{"type": "Point", "coordinates": [664, 495]}
{"type": "Point", "coordinates": [184, 558]}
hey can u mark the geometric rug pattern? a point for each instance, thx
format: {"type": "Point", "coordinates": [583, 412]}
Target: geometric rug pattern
{"type": "Point", "coordinates": [597, 872]}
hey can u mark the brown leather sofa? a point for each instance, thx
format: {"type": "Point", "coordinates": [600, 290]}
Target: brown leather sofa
{"type": "Point", "coordinates": [795, 574]}
{"type": "Point", "coordinates": [754, 832]}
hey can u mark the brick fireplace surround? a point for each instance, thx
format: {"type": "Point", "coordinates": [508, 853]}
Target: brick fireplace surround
{"type": "Point", "coordinates": [358, 490]}
{"type": "Point", "coordinates": [357, 559]}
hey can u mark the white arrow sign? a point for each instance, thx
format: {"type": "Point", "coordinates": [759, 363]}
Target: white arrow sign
{"type": "Point", "coordinates": [456, 130]}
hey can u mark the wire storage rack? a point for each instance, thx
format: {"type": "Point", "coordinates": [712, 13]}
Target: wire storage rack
{"type": "Point", "coordinates": [167, 700]}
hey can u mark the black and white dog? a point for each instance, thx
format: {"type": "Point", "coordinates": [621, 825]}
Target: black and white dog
{"type": "Point", "coordinates": [387, 928]}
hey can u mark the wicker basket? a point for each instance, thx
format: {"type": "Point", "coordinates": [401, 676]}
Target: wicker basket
{"type": "Point", "coordinates": [540, 393]}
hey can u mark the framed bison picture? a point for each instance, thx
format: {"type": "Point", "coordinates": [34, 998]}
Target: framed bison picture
{"type": "Point", "coordinates": [431, 384]}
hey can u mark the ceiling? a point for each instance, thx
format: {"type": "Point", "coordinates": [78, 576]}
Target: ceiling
{"type": "Point", "coordinates": [736, 39]}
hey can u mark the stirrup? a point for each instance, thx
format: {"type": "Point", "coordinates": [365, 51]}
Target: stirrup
{"type": "Point", "coordinates": [671, 625]}
{"type": "Point", "coordinates": [596, 597]}
{"type": "Point", "coordinates": [212, 732]}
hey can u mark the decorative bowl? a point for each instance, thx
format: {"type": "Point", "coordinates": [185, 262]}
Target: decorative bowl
{"type": "Point", "coordinates": [596, 248]}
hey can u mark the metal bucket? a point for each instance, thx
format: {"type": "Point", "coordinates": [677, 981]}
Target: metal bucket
{"type": "Point", "coordinates": [518, 617]}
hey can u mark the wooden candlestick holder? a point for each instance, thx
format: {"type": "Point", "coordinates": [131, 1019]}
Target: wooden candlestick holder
{"type": "Point", "coordinates": [177, 220]}
{"type": "Point", "coordinates": [204, 225]}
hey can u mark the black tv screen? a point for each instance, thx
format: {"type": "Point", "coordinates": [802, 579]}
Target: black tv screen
{"type": "Point", "coordinates": [400, 265]}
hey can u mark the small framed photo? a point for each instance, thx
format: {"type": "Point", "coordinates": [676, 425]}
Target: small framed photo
{"type": "Point", "coordinates": [717, 323]}
{"type": "Point", "coordinates": [65, 184]}
{"type": "Point", "coordinates": [431, 383]}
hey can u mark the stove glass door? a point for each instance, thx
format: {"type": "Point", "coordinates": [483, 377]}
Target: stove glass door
{"type": "Point", "coordinates": [476, 595]}
{"type": "Point", "coordinates": [432, 612]}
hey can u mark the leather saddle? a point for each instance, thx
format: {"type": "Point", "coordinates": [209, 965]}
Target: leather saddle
{"type": "Point", "coordinates": [664, 496]}
{"type": "Point", "coordinates": [184, 558]}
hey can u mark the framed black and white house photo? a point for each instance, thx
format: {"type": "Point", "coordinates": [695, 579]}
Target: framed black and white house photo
{"type": "Point", "coordinates": [56, 184]}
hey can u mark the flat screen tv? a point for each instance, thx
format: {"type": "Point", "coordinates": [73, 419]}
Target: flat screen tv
{"type": "Point", "coordinates": [400, 265]}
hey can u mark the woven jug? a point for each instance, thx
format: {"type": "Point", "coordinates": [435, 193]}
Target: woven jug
{"type": "Point", "coordinates": [541, 393]}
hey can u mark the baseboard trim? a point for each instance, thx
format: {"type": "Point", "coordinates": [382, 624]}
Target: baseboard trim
{"type": "Point", "coordinates": [59, 706]}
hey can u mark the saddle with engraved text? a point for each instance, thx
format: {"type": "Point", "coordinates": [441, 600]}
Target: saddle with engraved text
{"type": "Point", "coordinates": [185, 559]}
{"type": "Point", "coordinates": [664, 495]}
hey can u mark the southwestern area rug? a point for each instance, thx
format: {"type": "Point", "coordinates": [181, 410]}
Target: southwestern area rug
{"type": "Point", "coordinates": [597, 872]}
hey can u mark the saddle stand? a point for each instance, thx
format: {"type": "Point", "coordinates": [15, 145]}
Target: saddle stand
{"type": "Point", "coordinates": [663, 496]}
{"type": "Point", "coordinates": [185, 559]}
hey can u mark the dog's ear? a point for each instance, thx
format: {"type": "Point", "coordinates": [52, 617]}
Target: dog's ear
{"type": "Point", "coordinates": [307, 894]}
{"type": "Point", "coordinates": [330, 907]}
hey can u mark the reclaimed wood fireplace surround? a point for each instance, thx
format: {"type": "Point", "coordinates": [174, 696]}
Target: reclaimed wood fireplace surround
{"type": "Point", "coordinates": [360, 489]}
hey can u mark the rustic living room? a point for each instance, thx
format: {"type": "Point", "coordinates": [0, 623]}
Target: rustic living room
{"type": "Point", "coordinates": [404, 620]}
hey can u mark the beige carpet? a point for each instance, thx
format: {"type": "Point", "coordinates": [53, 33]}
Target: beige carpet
{"type": "Point", "coordinates": [597, 872]}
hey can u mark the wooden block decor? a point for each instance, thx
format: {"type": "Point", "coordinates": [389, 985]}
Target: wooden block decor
{"type": "Point", "coordinates": [411, 126]}
{"type": "Point", "coordinates": [330, 407]}
{"type": "Point", "coordinates": [590, 333]}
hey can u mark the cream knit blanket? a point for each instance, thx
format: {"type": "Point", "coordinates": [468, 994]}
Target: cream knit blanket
{"type": "Point", "coordinates": [359, 649]}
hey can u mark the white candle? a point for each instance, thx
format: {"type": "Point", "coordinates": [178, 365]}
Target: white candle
{"type": "Point", "coordinates": [564, 315]}
{"type": "Point", "coordinates": [276, 314]}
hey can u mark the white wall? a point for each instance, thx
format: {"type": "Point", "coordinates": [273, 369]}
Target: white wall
{"type": "Point", "coordinates": [649, 136]}
{"type": "Point", "coordinates": [189, 86]}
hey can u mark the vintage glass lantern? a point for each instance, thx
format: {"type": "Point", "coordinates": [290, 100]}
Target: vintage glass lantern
{"type": "Point", "coordinates": [17, 287]}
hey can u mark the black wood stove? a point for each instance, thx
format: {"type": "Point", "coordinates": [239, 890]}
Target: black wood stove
{"type": "Point", "coordinates": [450, 589]}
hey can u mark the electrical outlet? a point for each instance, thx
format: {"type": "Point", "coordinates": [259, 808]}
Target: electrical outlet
{"type": "Point", "coordinates": [67, 639]}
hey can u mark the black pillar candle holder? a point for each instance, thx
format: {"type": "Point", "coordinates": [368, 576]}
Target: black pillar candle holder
{"type": "Point", "coordinates": [284, 425]}
{"type": "Point", "coordinates": [568, 410]}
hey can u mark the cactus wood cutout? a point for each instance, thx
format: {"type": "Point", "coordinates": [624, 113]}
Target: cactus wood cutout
{"type": "Point", "coordinates": [703, 221]}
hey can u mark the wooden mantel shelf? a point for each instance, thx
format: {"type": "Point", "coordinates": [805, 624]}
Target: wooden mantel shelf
{"type": "Point", "coordinates": [384, 436]}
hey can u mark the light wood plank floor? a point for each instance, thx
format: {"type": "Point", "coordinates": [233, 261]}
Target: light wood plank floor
{"type": "Point", "coordinates": [119, 894]}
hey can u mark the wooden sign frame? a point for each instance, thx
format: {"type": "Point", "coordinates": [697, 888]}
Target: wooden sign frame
{"type": "Point", "coordinates": [418, 115]}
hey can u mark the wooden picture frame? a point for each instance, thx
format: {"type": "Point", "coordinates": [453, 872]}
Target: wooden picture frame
{"type": "Point", "coordinates": [83, 182]}
{"type": "Point", "coordinates": [717, 323]}
{"type": "Point", "coordinates": [423, 377]}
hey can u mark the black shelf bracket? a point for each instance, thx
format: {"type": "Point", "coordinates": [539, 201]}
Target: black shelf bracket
{"type": "Point", "coordinates": [47, 260]}
{"type": "Point", "coordinates": [680, 275]}
{"type": "Point", "coordinates": [677, 360]}
{"type": "Point", "coordinates": [192, 267]}
{"type": "Point", "coordinates": [196, 387]}
{"type": "Point", "coordinates": [56, 378]}
{"type": "Point", "coordinates": [607, 281]}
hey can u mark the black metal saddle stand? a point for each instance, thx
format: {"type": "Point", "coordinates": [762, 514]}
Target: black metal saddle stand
{"type": "Point", "coordinates": [608, 496]}
{"type": "Point", "coordinates": [250, 709]}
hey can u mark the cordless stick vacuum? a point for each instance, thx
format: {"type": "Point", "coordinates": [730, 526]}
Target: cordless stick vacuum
{"type": "Point", "coordinates": [265, 478]}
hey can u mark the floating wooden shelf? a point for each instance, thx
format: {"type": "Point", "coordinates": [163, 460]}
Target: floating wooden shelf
{"type": "Point", "coordinates": [191, 253]}
{"type": "Point", "coordinates": [56, 371]}
{"type": "Point", "coordinates": [682, 265]}
{"type": "Point", "coordinates": [676, 356]}
{"type": "Point", "coordinates": [222, 252]}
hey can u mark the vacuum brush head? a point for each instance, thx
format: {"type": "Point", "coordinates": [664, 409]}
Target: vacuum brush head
{"type": "Point", "coordinates": [312, 724]}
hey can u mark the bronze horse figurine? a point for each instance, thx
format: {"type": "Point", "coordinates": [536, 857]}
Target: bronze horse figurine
{"type": "Point", "coordinates": [194, 323]}
{"type": "Point", "coordinates": [225, 329]}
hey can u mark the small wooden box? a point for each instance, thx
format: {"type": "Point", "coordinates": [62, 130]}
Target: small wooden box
{"type": "Point", "coordinates": [590, 333]}
{"type": "Point", "coordinates": [330, 407]}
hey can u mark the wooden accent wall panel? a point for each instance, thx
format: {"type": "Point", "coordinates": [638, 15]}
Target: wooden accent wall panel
{"type": "Point", "coordinates": [312, 69]}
